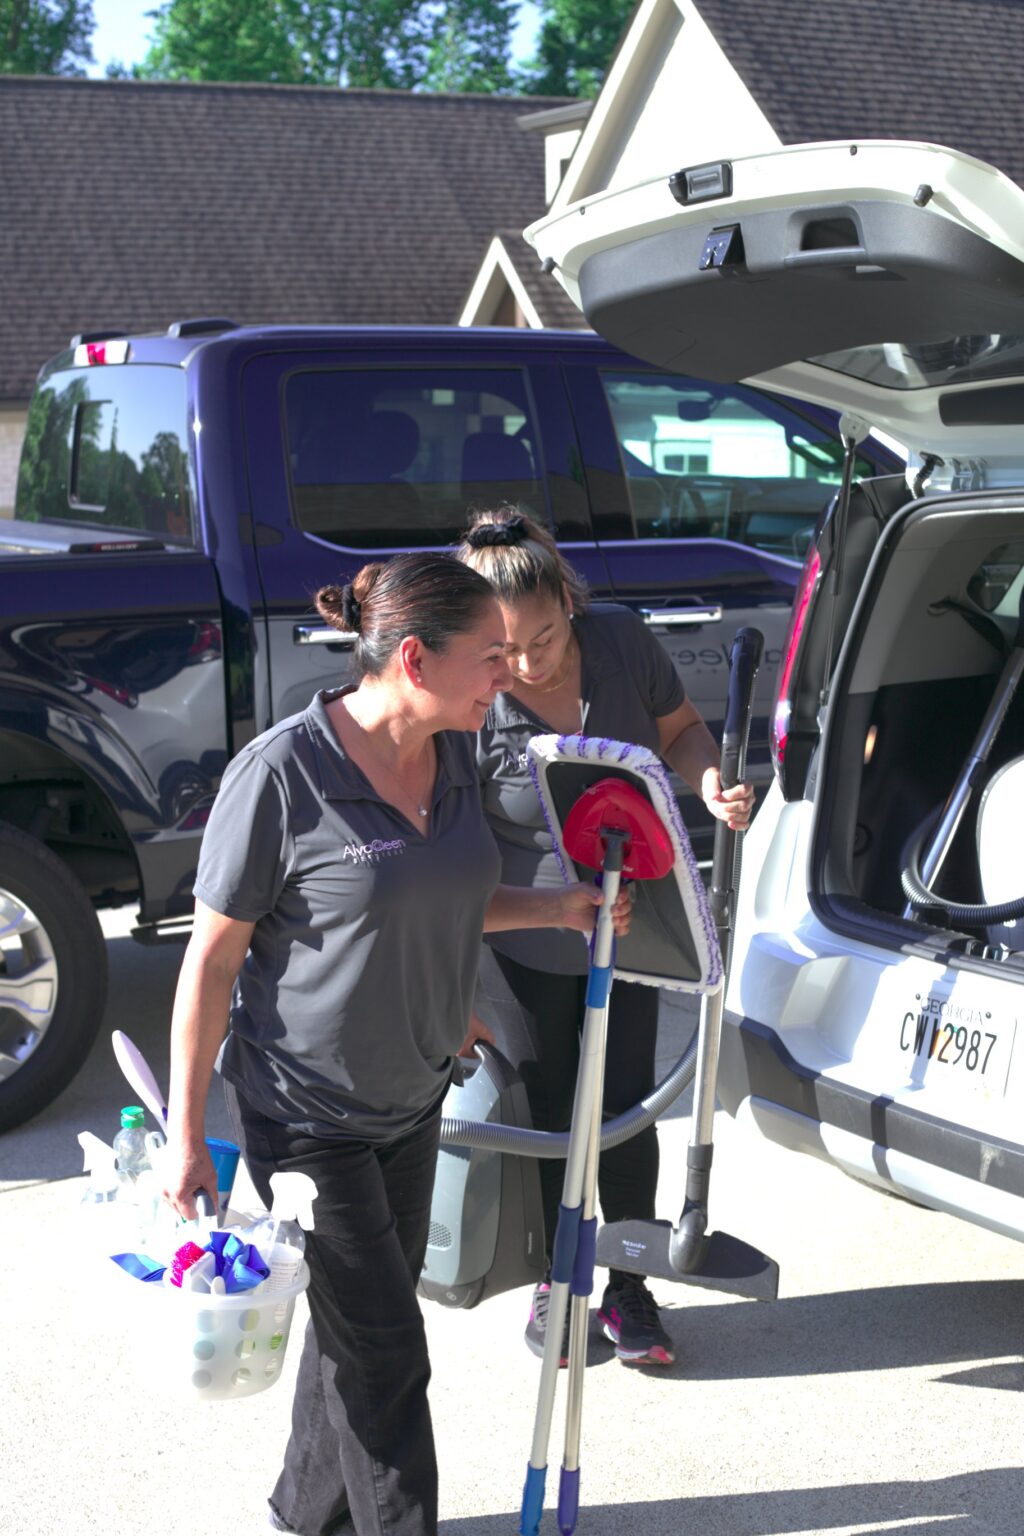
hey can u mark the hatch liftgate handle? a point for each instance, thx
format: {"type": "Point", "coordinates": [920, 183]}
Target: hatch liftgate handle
{"type": "Point", "coordinates": [323, 634]}
{"type": "Point", "coordinates": [682, 618]}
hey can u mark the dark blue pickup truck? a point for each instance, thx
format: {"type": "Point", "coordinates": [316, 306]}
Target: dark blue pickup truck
{"type": "Point", "coordinates": [180, 497]}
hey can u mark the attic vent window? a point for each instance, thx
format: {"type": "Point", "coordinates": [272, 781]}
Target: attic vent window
{"type": "Point", "coordinates": [831, 234]}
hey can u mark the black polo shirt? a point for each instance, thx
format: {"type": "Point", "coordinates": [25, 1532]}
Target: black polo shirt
{"type": "Point", "coordinates": [627, 682]}
{"type": "Point", "coordinates": [358, 984]}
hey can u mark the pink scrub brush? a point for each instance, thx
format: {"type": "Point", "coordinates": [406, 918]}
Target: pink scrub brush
{"type": "Point", "coordinates": [187, 1255]}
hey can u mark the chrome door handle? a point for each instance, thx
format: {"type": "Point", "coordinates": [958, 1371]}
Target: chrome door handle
{"type": "Point", "coordinates": [323, 634]}
{"type": "Point", "coordinates": [681, 618]}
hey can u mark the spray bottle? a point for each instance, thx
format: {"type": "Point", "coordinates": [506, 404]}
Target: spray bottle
{"type": "Point", "coordinates": [279, 1237]}
{"type": "Point", "coordinates": [110, 1224]}
{"type": "Point", "coordinates": [99, 1165]}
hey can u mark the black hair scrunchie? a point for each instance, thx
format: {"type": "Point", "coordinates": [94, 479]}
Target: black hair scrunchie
{"type": "Point", "coordinates": [351, 609]}
{"type": "Point", "coordinates": [492, 535]}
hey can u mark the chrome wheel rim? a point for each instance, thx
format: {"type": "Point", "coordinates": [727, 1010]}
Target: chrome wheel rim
{"type": "Point", "coordinates": [28, 983]}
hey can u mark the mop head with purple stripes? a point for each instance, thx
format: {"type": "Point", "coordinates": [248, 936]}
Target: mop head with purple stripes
{"type": "Point", "coordinates": [672, 941]}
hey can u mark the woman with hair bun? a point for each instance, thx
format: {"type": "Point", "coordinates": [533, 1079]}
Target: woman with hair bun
{"type": "Point", "coordinates": [346, 875]}
{"type": "Point", "coordinates": [576, 666]}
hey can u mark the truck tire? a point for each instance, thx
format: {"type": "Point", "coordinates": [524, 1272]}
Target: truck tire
{"type": "Point", "coordinates": [53, 976]}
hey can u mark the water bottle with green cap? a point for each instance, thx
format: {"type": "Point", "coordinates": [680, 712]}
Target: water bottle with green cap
{"type": "Point", "coordinates": [130, 1144]}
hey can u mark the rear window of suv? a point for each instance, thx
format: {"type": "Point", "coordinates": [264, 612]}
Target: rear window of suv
{"type": "Point", "coordinates": [107, 448]}
{"type": "Point", "coordinates": [389, 458]}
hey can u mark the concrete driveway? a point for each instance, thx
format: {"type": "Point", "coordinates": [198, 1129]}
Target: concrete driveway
{"type": "Point", "coordinates": [881, 1393]}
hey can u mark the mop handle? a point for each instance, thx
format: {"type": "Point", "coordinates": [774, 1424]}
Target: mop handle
{"type": "Point", "coordinates": [568, 1263]}
{"type": "Point", "coordinates": [581, 1288]}
{"type": "Point", "coordinates": [581, 1283]}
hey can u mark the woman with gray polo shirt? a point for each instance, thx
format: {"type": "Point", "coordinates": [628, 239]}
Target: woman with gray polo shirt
{"type": "Point", "coordinates": [345, 878]}
{"type": "Point", "coordinates": [596, 668]}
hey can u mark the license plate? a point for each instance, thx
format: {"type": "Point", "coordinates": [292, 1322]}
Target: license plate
{"type": "Point", "coordinates": [945, 1041]}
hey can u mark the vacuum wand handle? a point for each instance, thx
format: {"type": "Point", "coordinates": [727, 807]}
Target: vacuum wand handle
{"type": "Point", "coordinates": [744, 660]}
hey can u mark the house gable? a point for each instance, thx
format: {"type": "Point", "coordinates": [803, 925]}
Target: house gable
{"type": "Point", "coordinates": [511, 288]}
{"type": "Point", "coordinates": [700, 80]}
{"type": "Point", "coordinates": [671, 97]}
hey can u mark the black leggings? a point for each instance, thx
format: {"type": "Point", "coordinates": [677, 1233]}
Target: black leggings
{"type": "Point", "coordinates": [537, 1018]}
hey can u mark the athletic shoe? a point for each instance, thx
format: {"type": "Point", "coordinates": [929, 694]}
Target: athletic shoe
{"type": "Point", "coordinates": [537, 1327]}
{"type": "Point", "coordinates": [629, 1316]}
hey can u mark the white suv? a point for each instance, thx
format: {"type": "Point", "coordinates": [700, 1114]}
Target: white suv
{"type": "Point", "coordinates": [877, 974]}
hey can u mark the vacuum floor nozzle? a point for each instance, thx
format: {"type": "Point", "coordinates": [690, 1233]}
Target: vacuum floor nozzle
{"type": "Point", "coordinates": [726, 1263]}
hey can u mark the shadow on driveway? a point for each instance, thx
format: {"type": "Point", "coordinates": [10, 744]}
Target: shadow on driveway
{"type": "Point", "coordinates": [880, 1329]}
{"type": "Point", "coordinates": [976, 1504]}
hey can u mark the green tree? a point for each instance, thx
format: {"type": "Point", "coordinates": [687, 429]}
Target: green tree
{"type": "Point", "coordinates": [401, 44]}
{"type": "Point", "coordinates": [363, 43]}
{"type": "Point", "coordinates": [576, 44]}
{"type": "Point", "coordinates": [468, 46]}
{"type": "Point", "coordinates": [45, 37]}
{"type": "Point", "coordinates": [222, 40]}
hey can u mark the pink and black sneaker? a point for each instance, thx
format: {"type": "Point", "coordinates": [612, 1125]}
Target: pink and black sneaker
{"type": "Point", "coordinates": [537, 1327]}
{"type": "Point", "coordinates": [629, 1316]}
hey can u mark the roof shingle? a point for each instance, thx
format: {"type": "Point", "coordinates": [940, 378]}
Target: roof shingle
{"type": "Point", "coordinates": [130, 204]}
{"type": "Point", "coordinates": [943, 71]}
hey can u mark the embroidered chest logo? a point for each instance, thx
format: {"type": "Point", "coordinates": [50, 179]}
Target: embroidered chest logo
{"type": "Point", "coordinates": [515, 762]}
{"type": "Point", "coordinates": [372, 853]}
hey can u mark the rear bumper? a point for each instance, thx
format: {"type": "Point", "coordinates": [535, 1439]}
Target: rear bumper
{"type": "Point", "coordinates": [952, 1167]}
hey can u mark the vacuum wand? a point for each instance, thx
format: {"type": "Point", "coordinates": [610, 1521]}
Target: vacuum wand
{"type": "Point", "coordinates": [686, 1252]}
{"type": "Point", "coordinates": [972, 772]}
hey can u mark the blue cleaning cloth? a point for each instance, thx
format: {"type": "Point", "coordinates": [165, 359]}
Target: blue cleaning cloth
{"type": "Point", "coordinates": [239, 1264]}
{"type": "Point", "coordinates": [139, 1266]}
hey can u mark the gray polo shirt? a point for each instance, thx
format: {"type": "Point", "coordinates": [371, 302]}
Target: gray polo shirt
{"type": "Point", "coordinates": [628, 681]}
{"type": "Point", "coordinates": [358, 984]}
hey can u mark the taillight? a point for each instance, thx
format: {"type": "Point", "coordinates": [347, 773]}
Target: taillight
{"type": "Point", "coordinates": [95, 354]}
{"type": "Point", "coordinates": [778, 733]}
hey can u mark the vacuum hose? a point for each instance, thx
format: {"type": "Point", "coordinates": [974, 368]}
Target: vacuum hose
{"type": "Point", "coordinates": [920, 897]}
{"type": "Point", "coordinates": [526, 1143]}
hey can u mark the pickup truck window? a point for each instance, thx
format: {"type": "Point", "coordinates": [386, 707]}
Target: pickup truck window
{"type": "Point", "coordinates": [106, 447]}
{"type": "Point", "coordinates": [394, 458]}
{"type": "Point", "coordinates": [709, 461]}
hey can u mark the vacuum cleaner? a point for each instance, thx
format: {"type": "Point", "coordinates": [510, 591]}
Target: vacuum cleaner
{"type": "Point", "coordinates": [486, 1230]}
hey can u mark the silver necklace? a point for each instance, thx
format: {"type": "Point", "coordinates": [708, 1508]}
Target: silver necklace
{"type": "Point", "coordinates": [421, 809]}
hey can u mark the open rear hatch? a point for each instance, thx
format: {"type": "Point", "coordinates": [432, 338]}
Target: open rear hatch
{"type": "Point", "coordinates": [885, 280]}
{"type": "Point", "coordinates": [734, 270]}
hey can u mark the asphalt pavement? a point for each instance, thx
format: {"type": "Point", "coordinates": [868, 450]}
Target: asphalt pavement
{"type": "Point", "coordinates": [880, 1393]}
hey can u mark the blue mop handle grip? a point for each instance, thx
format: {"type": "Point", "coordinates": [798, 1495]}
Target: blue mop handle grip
{"type": "Point", "coordinates": [568, 1500]}
{"type": "Point", "coordinates": [533, 1501]}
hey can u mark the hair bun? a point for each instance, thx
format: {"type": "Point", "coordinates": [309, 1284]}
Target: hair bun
{"type": "Point", "coordinates": [351, 609]}
{"type": "Point", "coordinates": [511, 530]}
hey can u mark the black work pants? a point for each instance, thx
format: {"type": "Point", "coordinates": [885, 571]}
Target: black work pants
{"type": "Point", "coordinates": [537, 1018]}
{"type": "Point", "coordinates": [361, 1453]}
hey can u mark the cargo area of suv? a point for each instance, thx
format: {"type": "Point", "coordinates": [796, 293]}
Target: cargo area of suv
{"type": "Point", "coordinates": [877, 971]}
{"type": "Point", "coordinates": [938, 616]}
